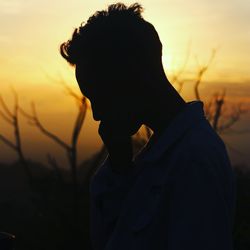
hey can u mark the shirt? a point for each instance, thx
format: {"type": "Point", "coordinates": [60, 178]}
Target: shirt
{"type": "Point", "coordinates": [180, 195]}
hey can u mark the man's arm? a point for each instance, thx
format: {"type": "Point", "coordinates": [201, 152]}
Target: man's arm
{"type": "Point", "coordinates": [199, 217]}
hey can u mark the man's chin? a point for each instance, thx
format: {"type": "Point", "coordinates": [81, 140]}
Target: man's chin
{"type": "Point", "coordinates": [123, 128]}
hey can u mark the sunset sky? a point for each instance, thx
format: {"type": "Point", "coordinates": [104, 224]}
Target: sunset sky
{"type": "Point", "coordinates": [32, 30]}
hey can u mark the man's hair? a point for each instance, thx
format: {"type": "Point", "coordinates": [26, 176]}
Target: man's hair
{"type": "Point", "coordinates": [114, 34]}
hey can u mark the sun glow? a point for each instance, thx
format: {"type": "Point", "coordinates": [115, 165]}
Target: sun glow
{"type": "Point", "coordinates": [32, 31]}
{"type": "Point", "coordinates": [167, 61]}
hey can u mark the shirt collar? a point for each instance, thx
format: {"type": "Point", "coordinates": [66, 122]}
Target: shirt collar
{"type": "Point", "coordinates": [186, 119]}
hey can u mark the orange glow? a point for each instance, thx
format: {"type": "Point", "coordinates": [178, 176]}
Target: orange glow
{"type": "Point", "coordinates": [31, 32]}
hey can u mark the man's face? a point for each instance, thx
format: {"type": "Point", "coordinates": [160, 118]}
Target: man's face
{"type": "Point", "coordinates": [111, 101]}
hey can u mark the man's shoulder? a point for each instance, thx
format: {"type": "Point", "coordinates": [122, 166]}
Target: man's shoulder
{"type": "Point", "coordinates": [202, 147]}
{"type": "Point", "coordinates": [202, 139]}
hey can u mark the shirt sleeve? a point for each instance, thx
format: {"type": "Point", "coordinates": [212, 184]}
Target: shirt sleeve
{"type": "Point", "coordinates": [198, 216]}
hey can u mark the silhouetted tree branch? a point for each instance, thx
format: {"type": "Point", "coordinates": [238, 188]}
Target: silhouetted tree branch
{"type": "Point", "coordinates": [219, 101]}
{"type": "Point", "coordinates": [8, 143]}
{"type": "Point", "coordinates": [71, 149]}
{"type": "Point", "coordinates": [13, 119]}
{"type": "Point", "coordinates": [215, 107]}
{"type": "Point", "coordinates": [53, 163]}
{"type": "Point", "coordinates": [34, 121]}
{"type": "Point", "coordinates": [176, 77]}
{"type": "Point", "coordinates": [236, 112]}
{"type": "Point", "coordinates": [200, 74]}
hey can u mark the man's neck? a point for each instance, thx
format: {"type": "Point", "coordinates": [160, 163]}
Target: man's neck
{"type": "Point", "coordinates": [165, 105]}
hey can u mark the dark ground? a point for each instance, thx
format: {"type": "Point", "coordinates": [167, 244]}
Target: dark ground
{"type": "Point", "coordinates": [46, 216]}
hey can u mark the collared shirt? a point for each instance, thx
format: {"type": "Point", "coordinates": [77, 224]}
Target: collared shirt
{"type": "Point", "coordinates": [181, 190]}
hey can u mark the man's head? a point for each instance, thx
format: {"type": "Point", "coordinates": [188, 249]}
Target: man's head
{"type": "Point", "coordinates": [117, 56]}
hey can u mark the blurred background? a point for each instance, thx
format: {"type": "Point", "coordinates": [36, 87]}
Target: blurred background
{"type": "Point", "coordinates": [49, 145]}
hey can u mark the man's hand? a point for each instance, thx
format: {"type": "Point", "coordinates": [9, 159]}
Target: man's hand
{"type": "Point", "coordinates": [119, 145]}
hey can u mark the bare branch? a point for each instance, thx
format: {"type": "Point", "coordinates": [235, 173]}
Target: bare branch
{"type": "Point", "coordinates": [208, 109]}
{"type": "Point", "coordinates": [25, 114]}
{"type": "Point", "coordinates": [78, 125]}
{"type": "Point", "coordinates": [6, 109]}
{"type": "Point", "coordinates": [71, 92]}
{"type": "Point", "coordinates": [16, 106]}
{"type": "Point", "coordinates": [219, 101]}
{"type": "Point", "coordinates": [8, 142]}
{"type": "Point", "coordinates": [201, 71]}
{"type": "Point", "coordinates": [79, 122]}
{"type": "Point", "coordinates": [232, 118]}
{"type": "Point", "coordinates": [177, 76]}
{"type": "Point", "coordinates": [52, 136]}
{"type": "Point", "coordinates": [34, 120]}
{"type": "Point", "coordinates": [229, 124]}
{"type": "Point", "coordinates": [68, 89]}
{"type": "Point", "coordinates": [53, 163]}
{"type": "Point", "coordinates": [6, 118]}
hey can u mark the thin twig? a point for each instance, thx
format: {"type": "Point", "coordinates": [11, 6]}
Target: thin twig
{"type": "Point", "coordinates": [6, 109]}
{"type": "Point", "coordinates": [6, 118]}
{"type": "Point", "coordinates": [201, 71]}
{"type": "Point", "coordinates": [8, 142]}
{"type": "Point", "coordinates": [36, 122]}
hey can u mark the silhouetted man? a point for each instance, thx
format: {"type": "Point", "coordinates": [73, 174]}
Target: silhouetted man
{"type": "Point", "coordinates": [178, 192]}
